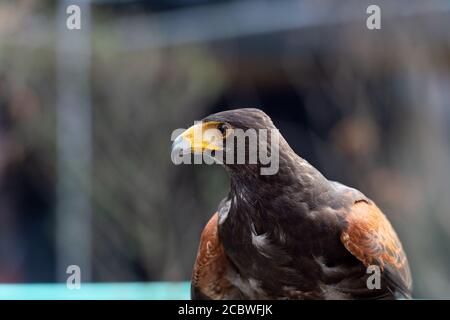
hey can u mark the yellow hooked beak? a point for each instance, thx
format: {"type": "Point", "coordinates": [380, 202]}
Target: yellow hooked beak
{"type": "Point", "coordinates": [198, 138]}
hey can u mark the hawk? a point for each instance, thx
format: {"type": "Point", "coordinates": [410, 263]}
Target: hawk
{"type": "Point", "coordinates": [289, 235]}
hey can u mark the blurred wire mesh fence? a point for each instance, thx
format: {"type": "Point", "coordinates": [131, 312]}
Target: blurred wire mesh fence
{"type": "Point", "coordinates": [368, 108]}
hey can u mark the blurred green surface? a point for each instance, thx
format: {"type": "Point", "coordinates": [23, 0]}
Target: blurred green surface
{"type": "Point", "coordinates": [97, 291]}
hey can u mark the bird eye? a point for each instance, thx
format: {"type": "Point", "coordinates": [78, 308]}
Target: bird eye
{"type": "Point", "coordinates": [223, 127]}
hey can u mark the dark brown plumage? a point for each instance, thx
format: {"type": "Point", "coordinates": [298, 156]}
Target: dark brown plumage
{"type": "Point", "coordinates": [295, 234]}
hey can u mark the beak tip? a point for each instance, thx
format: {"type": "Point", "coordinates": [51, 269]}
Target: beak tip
{"type": "Point", "coordinates": [180, 146]}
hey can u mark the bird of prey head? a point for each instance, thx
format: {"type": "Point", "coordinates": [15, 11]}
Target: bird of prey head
{"type": "Point", "coordinates": [289, 233]}
{"type": "Point", "coordinates": [243, 140]}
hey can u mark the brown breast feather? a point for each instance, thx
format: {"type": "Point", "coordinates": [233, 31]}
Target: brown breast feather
{"type": "Point", "coordinates": [211, 265]}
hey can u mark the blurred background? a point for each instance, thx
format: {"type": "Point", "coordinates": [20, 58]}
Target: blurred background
{"type": "Point", "coordinates": [86, 118]}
